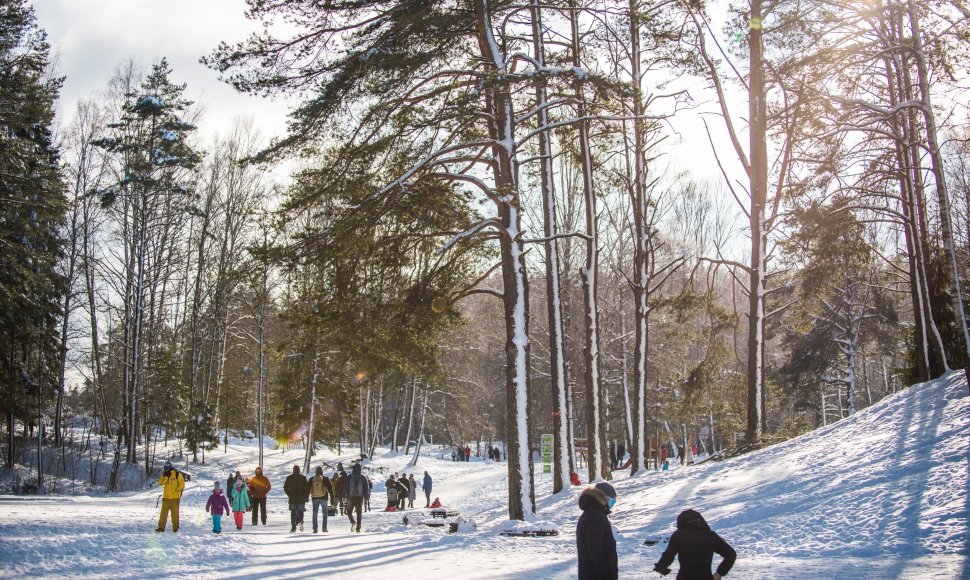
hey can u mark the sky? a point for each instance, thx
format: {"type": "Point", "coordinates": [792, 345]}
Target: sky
{"type": "Point", "coordinates": [89, 38]}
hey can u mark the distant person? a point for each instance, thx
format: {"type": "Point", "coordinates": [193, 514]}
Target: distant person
{"type": "Point", "coordinates": [356, 490]}
{"type": "Point", "coordinates": [620, 453]}
{"type": "Point", "coordinates": [468, 453]}
{"type": "Point", "coordinates": [216, 506]}
{"type": "Point", "coordinates": [370, 488]}
{"type": "Point", "coordinates": [173, 484]}
{"type": "Point", "coordinates": [259, 487]}
{"type": "Point", "coordinates": [230, 483]}
{"type": "Point", "coordinates": [694, 544]}
{"type": "Point", "coordinates": [412, 491]}
{"type": "Point", "coordinates": [240, 503]}
{"type": "Point", "coordinates": [574, 478]}
{"type": "Point", "coordinates": [436, 503]}
{"type": "Point", "coordinates": [297, 491]}
{"type": "Point", "coordinates": [321, 490]}
{"type": "Point", "coordinates": [612, 454]}
{"type": "Point", "coordinates": [403, 492]}
{"type": "Point", "coordinates": [391, 487]}
{"type": "Point", "coordinates": [339, 480]}
{"type": "Point", "coordinates": [426, 486]}
{"type": "Point", "coordinates": [595, 545]}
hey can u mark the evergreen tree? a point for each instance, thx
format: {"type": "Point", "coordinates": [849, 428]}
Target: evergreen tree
{"type": "Point", "coordinates": [32, 208]}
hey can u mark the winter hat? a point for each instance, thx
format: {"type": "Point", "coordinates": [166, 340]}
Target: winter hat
{"type": "Point", "coordinates": [691, 519]}
{"type": "Point", "coordinates": [606, 488]}
{"type": "Point", "coordinates": [259, 471]}
{"type": "Point", "coordinates": [356, 469]}
{"type": "Point", "coordinates": [216, 486]}
{"type": "Point", "coordinates": [167, 466]}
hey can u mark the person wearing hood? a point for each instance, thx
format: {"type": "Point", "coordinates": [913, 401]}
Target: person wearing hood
{"type": "Point", "coordinates": [595, 545]}
{"type": "Point", "coordinates": [694, 544]}
{"type": "Point", "coordinates": [356, 487]}
{"type": "Point", "coordinates": [259, 486]}
{"type": "Point", "coordinates": [230, 483]}
{"type": "Point", "coordinates": [216, 506]}
{"type": "Point", "coordinates": [240, 502]}
{"type": "Point", "coordinates": [426, 486]}
{"type": "Point", "coordinates": [172, 484]}
{"type": "Point", "coordinates": [297, 490]}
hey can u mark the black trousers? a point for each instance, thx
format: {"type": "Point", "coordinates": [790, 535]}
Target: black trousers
{"type": "Point", "coordinates": [355, 504]}
{"type": "Point", "coordinates": [257, 502]}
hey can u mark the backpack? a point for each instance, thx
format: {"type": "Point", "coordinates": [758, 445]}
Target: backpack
{"type": "Point", "coordinates": [357, 486]}
{"type": "Point", "coordinates": [185, 476]}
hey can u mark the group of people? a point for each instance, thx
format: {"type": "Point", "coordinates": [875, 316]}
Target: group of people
{"type": "Point", "coordinates": [403, 490]}
{"type": "Point", "coordinates": [693, 543]}
{"type": "Point", "coordinates": [461, 453]}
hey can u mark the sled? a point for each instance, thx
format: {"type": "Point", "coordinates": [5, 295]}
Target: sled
{"type": "Point", "coordinates": [529, 533]}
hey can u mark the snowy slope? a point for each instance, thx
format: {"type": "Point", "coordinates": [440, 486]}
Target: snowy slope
{"type": "Point", "coordinates": [881, 494]}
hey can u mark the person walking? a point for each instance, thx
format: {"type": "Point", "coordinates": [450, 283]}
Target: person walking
{"type": "Point", "coordinates": [173, 484]}
{"type": "Point", "coordinates": [230, 483]}
{"type": "Point", "coordinates": [426, 486]}
{"type": "Point", "coordinates": [321, 490]}
{"type": "Point", "coordinates": [595, 545]}
{"type": "Point", "coordinates": [259, 487]}
{"type": "Point", "coordinates": [240, 503]}
{"type": "Point", "coordinates": [694, 544]}
{"type": "Point", "coordinates": [297, 490]}
{"type": "Point", "coordinates": [356, 490]}
{"type": "Point", "coordinates": [412, 491]}
{"type": "Point", "coordinates": [370, 488]}
{"type": "Point", "coordinates": [468, 453]}
{"type": "Point", "coordinates": [403, 491]}
{"type": "Point", "coordinates": [339, 482]}
{"type": "Point", "coordinates": [216, 506]}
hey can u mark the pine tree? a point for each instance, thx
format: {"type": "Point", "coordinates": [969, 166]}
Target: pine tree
{"type": "Point", "coordinates": [32, 208]}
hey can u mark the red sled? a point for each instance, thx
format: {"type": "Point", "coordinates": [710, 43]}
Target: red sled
{"type": "Point", "coordinates": [391, 508]}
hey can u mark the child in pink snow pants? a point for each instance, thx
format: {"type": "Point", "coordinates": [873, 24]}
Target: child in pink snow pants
{"type": "Point", "coordinates": [240, 502]}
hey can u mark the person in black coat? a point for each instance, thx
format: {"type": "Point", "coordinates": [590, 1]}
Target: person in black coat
{"type": "Point", "coordinates": [694, 544]}
{"type": "Point", "coordinates": [297, 490]}
{"type": "Point", "coordinates": [595, 544]}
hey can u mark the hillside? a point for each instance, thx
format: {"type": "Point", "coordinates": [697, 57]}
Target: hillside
{"type": "Point", "coordinates": [880, 494]}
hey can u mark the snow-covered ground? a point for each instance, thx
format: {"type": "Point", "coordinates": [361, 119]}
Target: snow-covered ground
{"type": "Point", "coordinates": [882, 494]}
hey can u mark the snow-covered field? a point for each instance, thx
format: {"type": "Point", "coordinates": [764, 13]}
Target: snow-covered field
{"type": "Point", "coordinates": [882, 494]}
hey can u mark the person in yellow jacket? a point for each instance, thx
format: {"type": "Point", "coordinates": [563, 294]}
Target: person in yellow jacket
{"type": "Point", "coordinates": [172, 484]}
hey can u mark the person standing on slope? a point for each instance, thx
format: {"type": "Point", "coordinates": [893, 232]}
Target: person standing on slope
{"type": "Point", "coordinates": [356, 486]}
{"type": "Point", "coordinates": [403, 491]}
{"type": "Point", "coordinates": [694, 544]}
{"type": "Point", "coordinates": [259, 486]}
{"type": "Point", "coordinates": [216, 505]}
{"type": "Point", "coordinates": [240, 503]}
{"type": "Point", "coordinates": [426, 486]}
{"type": "Point", "coordinates": [320, 491]}
{"type": "Point", "coordinates": [172, 484]}
{"type": "Point", "coordinates": [595, 545]}
{"type": "Point", "coordinates": [297, 490]}
{"type": "Point", "coordinates": [412, 491]}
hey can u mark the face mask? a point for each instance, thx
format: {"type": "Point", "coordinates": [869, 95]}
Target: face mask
{"type": "Point", "coordinates": [611, 502]}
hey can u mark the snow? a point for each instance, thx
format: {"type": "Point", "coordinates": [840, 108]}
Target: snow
{"type": "Point", "coordinates": [880, 494]}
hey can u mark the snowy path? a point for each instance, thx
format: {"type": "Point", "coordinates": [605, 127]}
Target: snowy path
{"type": "Point", "coordinates": [880, 495]}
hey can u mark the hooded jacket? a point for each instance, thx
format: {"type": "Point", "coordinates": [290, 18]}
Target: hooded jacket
{"type": "Point", "coordinates": [694, 544]}
{"type": "Point", "coordinates": [297, 488]}
{"type": "Point", "coordinates": [259, 486]}
{"type": "Point", "coordinates": [595, 544]}
{"type": "Point", "coordinates": [217, 504]}
{"type": "Point", "coordinates": [356, 484]}
{"type": "Point", "coordinates": [240, 499]}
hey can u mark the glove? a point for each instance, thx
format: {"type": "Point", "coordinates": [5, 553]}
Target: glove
{"type": "Point", "coordinates": [661, 571]}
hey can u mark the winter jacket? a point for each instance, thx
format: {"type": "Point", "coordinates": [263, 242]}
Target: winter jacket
{"type": "Point", "coordinates": [694, 544]}
{"type": "Point", "coordinates": [412, 488]}
{"type": "Point", "coordinates": [240, 499]}
{"type": "Point", "coordinates": [217, 504]}
{"type": "Point", "coordinates": [392, 491]}
{"type": "Point", "coordinates": [595, 544]}
{"type": "Point", "coordinates": [230, 482]}
{"type": "Point", "coordinates": [259, 486]}
{"type": "Point", "coordinates": [172, 484]}
{"type": "Point", "coordinates": [320, 487]}
{"type": "Point", "coordinates": [402, 486]}
{"type": "Point", "coordinates": [339, 483]}
{"type": "Point", "coordinates": [356, 485]}
{"type": "Point", "coordinates": [427, 483]}
{"type": "Point", "coordinates": [297, 488]}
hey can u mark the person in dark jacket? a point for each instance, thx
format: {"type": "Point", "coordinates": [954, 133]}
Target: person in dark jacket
{"type": "Point", "coordinates": [297, 490]}
{"type": "Point", "coordinates": [230, 483]}
{"type": "Point", "coordinates": [356, 487]}
{"type": "Point", "coordinates": [595, 544]}
{"type": "Point", "coordinates": [403, 491]}
{"type": "Point", "coordinates": [427, 489]}
{"type": "Point", "coordinates": [694, 544]}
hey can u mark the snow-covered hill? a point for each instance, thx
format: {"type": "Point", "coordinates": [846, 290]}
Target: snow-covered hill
{"type": "Point", "coordinates": [881, 494]}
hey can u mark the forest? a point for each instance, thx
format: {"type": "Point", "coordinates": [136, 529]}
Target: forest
{"type": "Point", "coordinates": [669, 223]}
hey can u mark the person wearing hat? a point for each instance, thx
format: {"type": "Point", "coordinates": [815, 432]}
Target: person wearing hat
{"type": "Point", "coordinates": [240, 503]}
{"type": "Point", "coordinates": [694, 544]}
{"type": "Point", "coordinates": [172, 484]}
{"type": "Point", "coordinates": [259, 486]}
{"type": "Point", "coordinates": [595, 545]}
{"type": "Point", "coordinates": [215, 507]}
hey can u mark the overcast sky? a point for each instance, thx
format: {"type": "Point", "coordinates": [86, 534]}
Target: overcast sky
{"type": "Point", "coordinates": [89, 38]}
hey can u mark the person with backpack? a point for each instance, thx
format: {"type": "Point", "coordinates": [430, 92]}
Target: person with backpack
{"type": "Point", "coordinates": [240, 503]}
{"type": "Point", "coordinates": [426, 486]}
{"type": "Point", "coordinates": [694, 544]}
{"type": "Point", "coordinates": [595, 545]}
{"type": "Point", "coordinates": [297, 490]}
{"type": "Point", "coordinates": [320, 491]}
{"type": "Point", "coordinates": [173, 483]}
{"type": "Point", "coordinates": [215, 507]}
{"type": "Point", "coordinates": [356, 490]}
{"type": "Point", "coordinates": [259, 487]}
